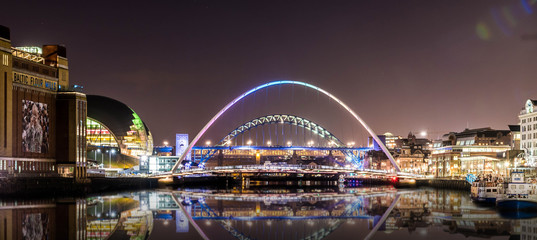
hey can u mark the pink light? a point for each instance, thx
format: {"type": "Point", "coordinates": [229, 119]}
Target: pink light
{"type": "Point", "coordinates": [210, 123]}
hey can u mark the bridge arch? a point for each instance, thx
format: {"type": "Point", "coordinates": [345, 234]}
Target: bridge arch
{"type": "Point", "coordinates": [283, 118]}
{"type": "Point", "coordinates": [283, 82]}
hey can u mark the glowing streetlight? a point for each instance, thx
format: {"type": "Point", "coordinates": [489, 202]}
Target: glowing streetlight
{"type": "Point", "coordinates": [112, 151]}
{"type": "Point", "coordinates": [97, 151]}
{"type": "Point", "coordinates": [165, 143]}
{"type": "Point", "coordinates": [269, 143]}
{"type": "Point", "coordinates": [289, 143]}
{"type": "Point", "coordinates": [423, 133]}
{"type": "Point", "coordinates": [249, 142]}
{"type": "Point", "coordinates": [208, 143]}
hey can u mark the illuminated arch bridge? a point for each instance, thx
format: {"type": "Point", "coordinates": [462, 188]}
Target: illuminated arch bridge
{"type": "Point", "coordinates": [349, 155]}
{"type": "Point", "coordinates": [279, 83]}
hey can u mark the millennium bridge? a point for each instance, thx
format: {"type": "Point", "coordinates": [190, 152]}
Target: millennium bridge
{"type": "Point", "coordinates": [283, 143]}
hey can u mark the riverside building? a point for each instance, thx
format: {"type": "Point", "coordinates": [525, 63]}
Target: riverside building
{"type": "Point", "coordinates": [42, 121]}
{"type": "Point", "coordinates": [472, 151]}
{"type": "Point", "coordinates": [116, 136]}
{"type": "Point", "coordinates": [413, 154]}
{"type": "Point", "coordinates": [528, 132]}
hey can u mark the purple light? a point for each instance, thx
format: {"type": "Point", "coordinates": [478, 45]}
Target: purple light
{"type": "Point", "coordinates": [211, 122]}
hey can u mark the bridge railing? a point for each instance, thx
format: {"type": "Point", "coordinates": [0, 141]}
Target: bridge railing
{"type": "Point", "coordinates": [267, 167]}
{"type": "Point", "coordinates": [324, 168]}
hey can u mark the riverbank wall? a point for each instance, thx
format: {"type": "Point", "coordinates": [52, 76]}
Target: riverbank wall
{"type": "Point", "coordinates": [444, 184]}
{"type": "Point", "coordinates": [57, 186]}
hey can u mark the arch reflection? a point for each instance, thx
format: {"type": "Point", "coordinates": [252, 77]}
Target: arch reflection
{"type": "Point", "coordinates": [312, 213]}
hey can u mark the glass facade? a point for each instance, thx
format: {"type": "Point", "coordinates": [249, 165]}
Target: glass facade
{"type": "Point", "coordinates": [99, 135]}
{"type": "Point", "coordinates": [135, 142]}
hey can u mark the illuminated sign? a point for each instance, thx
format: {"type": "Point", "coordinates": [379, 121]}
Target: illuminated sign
{"type": "Point", "coordinates": [181, 144]}
{"type": "Point", "coordinates": [34, 81]}
{"type": "Point", "coordinates": [529, 106]}
{"type": "Point", "coordinates": [181, 221]}
{"type": "Point", "coordinates": [31, 49]}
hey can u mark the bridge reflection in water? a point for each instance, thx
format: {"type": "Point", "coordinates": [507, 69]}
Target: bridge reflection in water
{"type": "Point", "coordinates": [308, 213]}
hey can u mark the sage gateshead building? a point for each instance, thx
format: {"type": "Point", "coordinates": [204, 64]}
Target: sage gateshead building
{"type": "Point", "coordinates": [116, 135]}
{"type": "Point", "coordinates": [42, 120]}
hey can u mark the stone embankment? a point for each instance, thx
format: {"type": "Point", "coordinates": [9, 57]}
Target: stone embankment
{"type": "Point", "coordinates": [444, 183]}
{"type": "Point", "coordinates": [58, 186]}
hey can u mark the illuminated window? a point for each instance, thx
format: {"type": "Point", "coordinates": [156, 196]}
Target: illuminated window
{"type": "Point", "coordinates": [98, 135]}
{"type": "Point", "coordinates": [5, 60]}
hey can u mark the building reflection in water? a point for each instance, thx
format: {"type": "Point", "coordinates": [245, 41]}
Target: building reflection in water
{"type": "Point", "coordinates": [259, 214]}
{"type": "Point", "coordinates": [43, 219]}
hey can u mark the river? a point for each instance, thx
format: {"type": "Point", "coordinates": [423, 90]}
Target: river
{"type": "Point", "coordinates": [263, 213]}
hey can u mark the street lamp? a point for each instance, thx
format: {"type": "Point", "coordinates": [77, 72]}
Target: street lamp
{"type": "Point", "coordinates": [112, 151]}
{"type": "Point", "coordinates": [249, 142]}
{"type": "Point", "coordinates": [208, 143]}
{"type": "Point", "coordinates": [97, 151]}
{"type": "Point", "coordinates": [165, 143]}
{"type": "Point", "coordinates": [269, 143]}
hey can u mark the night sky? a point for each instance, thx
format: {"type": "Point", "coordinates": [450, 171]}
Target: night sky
{"type": "Point", "coordinates": [403, 66]}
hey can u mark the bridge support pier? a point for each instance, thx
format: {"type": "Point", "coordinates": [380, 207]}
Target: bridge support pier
{"type": "Point", "coordinates": [257, 157]}
{"type": "Point", "coordinates": [220, 158]}
{"type": "Point", "coordinates": [220, 208]}
{"type": "Point", "coordinates": [330, 160]}
{"type": "Point", "coordinates": [294, 158]}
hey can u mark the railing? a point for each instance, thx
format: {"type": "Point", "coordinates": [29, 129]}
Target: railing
{"type": "Point", "coordinates": [267, 167]}
{"type": "Point", "coordinates": [323, 168]}
{"type": "Point", "coordinates": [28, 55]}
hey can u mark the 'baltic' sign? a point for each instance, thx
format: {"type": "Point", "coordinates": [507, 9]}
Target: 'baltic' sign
{"type": "Point", "coordinates": [34, 81]}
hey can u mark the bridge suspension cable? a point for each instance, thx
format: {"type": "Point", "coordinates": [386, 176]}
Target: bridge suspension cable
{"type": "Point", "coordinates": [279, 83]}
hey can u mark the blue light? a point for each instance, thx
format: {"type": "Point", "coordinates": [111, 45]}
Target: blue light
{"type": "Point", "coordinates": [210, 123]}
{"type": "Point", "coordinates": [526, 6]}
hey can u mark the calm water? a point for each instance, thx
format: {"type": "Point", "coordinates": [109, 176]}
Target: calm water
{"type": "Point", "coordinates": [316, 213]}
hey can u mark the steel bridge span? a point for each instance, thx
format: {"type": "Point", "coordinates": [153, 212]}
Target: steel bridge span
{"type": "Point", "coordinates": [346, 155]}
{"type": "Point", "coordinates": [349, 154]}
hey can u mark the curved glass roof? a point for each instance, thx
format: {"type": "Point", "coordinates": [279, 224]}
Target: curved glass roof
{"type": "Point", "coordinates": [109, 119]}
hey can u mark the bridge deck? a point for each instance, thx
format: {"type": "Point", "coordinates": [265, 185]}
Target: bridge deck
{"type": "Point", "coordinates": [321, 169]}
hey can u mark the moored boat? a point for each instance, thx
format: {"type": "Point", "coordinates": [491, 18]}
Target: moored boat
{"type": "Point", "coordinates": [517, 194]}
{"type": "Point", "coordinates": [484, 191]}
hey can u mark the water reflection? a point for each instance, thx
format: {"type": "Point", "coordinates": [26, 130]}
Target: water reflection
{"type": "Point", "coordinates": [379, 212]}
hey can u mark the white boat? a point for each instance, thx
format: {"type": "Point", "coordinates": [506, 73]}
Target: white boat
{"type": "Point", "coordinates": [484, 191]}
{"type": "Point", "coordinates": [517, 194]}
